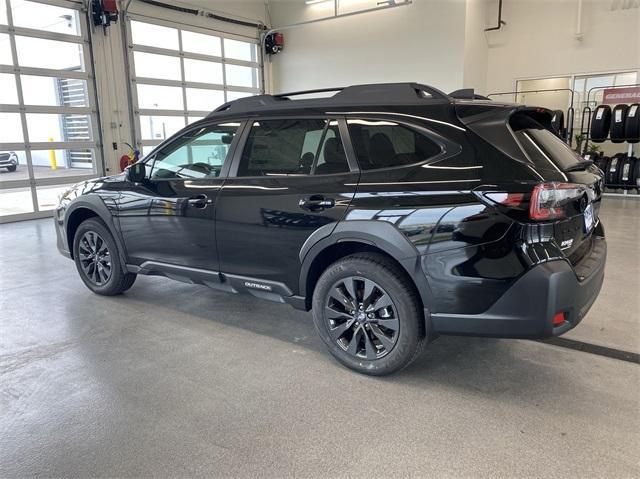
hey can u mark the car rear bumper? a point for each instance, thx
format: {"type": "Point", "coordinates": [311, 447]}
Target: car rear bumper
{"type": "Point", "coordinates": [527, 308]}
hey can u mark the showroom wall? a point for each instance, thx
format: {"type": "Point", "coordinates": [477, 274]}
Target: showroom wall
{"type": "Point", "coordinates": [421, 42]}
{"type": "Point", "coordinates": [476, 49]}
{"type": "Point", "coordinates": [535, 43]}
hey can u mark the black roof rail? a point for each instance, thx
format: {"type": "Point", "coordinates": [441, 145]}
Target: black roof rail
{"type": "Point", "coordinates": [249, 102]}
{"type": "Point", "coordinates": [394, 92]}
{"type": "Point", "coordinates": [309, 92]}
{"type": "Point", "coordinates": [358, 94]}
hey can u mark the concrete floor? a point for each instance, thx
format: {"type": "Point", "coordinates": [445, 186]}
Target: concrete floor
{"type": "Point", "coordinates": [178, 380]}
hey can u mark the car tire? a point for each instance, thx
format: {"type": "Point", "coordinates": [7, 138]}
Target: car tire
{"type": "Point", "coordinates": [632, 126]}
{"type": "Point", "coordinates": [600, 123]}
{"type": "Point", "coordinates": [618, 123]}
{"type": "Point", "coordinates": [370, 339]}
{"type": "Point", "coordinates": [627, 168]}
{"type": "Point", "coordinates": [636, 175]}
{"type": "Point", "coordinates": [613, 170]}
{"type": "Point", "coordinates": [12, 168]}
{"type": "Point", "coordinates": [97, 259]}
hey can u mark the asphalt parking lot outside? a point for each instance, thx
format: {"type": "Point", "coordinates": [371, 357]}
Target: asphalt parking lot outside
{"type": "Point", "coordinates": [178, 380]}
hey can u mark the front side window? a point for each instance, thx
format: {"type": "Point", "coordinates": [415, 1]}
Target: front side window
{"type": "Point", "coordinates": [199, 153]}
{"type": "Point", "coordinates": [293, 147]}
{"type": "Point", "coordinates": [385, 144]}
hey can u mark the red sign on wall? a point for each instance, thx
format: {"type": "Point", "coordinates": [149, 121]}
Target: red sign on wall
{"type": "Point", "coordinates": [613, 96]}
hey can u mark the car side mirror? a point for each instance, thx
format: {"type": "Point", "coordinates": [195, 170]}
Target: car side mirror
{"type": "Point", "coordinates": [136, 173]}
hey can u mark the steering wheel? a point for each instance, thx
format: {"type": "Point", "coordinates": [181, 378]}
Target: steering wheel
{"type": "Point", "coordinates": [203, 167]}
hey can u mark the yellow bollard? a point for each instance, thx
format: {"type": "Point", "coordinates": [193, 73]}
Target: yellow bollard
{"type": "Point", "coordinates": [52, 158]}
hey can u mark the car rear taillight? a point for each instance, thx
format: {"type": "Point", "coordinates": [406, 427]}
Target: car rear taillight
{"type": "Point", "coordinates": [559, 319]}
{"type": "Point", "coordinates": [507, 199]}
{"type": "Point", "coordinates": [539, 202]}
{"type": "Point", "coordinates": [549, 201]}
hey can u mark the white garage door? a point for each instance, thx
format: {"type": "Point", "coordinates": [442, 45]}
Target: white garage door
{"type": "Point", "coordinates": [48, 120]}
{"type": "Point", "coordinates": [181, 73]}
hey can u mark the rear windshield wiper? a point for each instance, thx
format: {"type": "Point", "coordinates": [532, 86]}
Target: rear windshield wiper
{"type": "Point", "coordinates": [580, 166]}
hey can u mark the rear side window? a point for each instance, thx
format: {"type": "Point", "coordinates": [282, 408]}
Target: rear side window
{"type": "Point", "coordinates": [385, 144]}
{"type": "Point", "coordinates": [293, 147]}
{"type": "Point", "coordinates": [541, 146]}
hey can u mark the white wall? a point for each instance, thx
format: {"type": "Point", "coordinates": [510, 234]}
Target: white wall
{"type": "Point", "coordinates": [538, 40]}
{"type": "Point", "coordinates": [476, 50]}
{"type": "Point", "coordinates": [422, 42]}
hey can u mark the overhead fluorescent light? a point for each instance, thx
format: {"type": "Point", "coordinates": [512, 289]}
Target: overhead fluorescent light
{"type": "Point", "coordinates": [311, 2]}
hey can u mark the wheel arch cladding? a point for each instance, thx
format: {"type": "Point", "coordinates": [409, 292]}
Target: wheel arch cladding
{"type": "Point", "coordinates": [74, 219]}
{"type": "Point", "coordinates": [362, 236]}
{"type": "Point", "coordinates": [85, 208]}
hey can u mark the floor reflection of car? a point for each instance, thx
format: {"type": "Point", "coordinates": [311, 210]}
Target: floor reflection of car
{"type": "Point", "coordinates": [9, 160]}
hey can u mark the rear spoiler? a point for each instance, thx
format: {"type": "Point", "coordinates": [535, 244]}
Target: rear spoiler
{"type": "Point", "coordinates": [491, 122]}
{"type": "Point", "coordinates": [467, 94]}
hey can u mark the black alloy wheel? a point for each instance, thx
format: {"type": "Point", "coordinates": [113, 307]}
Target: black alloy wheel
{"type": "Point", "coordinates": [98, 259]}
{"type": "Point", "coordinates": [95, 258]}
{"type": "Point", "coordinates": [368, 313]}
{"type": "Point", "coordinates": [362, 318]}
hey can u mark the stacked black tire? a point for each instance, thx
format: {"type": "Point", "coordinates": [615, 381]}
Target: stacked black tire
{"type": "Point", "coordinates": [632, 125]}
{"type": "Point", "coordinates": [620, 124]}
{"type": "Point", "coordinates": [620, 171]}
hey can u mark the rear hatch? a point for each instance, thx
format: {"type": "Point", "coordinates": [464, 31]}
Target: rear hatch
{"type": "Point", "coordinates": [551, 187]}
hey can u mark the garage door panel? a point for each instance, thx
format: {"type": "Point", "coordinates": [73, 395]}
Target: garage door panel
{"type": "Point", "coordinates": [187, 74]}
{"type": "Point", "coordinates": [49, 117]}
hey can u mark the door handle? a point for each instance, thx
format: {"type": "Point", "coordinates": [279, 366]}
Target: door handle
{"type": "Point", "coordinates": [316, 203]}
{"type": "Point", "coordinates": [199, 201]}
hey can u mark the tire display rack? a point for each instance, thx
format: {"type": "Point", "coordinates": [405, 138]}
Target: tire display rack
{"type": "Point", "coordinates": [619, 124]}
{"type": "Point", "coordinates": [622, 172]}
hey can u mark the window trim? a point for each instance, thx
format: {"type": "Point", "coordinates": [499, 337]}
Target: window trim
{"type": "Point", "coordinates": [206, 123]}
{"type": "Point", "coordinates": [342, 126]}
{"type": "Point", "coordinates": [448, 148]}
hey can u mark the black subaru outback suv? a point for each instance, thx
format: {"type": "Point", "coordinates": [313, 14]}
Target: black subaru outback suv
{"type": "Point", "coordinates": [395, 212]}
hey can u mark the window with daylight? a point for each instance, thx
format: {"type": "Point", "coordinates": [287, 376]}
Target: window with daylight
{"type": "Point", "coordinates": [48, 121]}
{"type": "Point", "coordinates": [198, 154]}
{"type": "Point", "coordinates": [182, 73]}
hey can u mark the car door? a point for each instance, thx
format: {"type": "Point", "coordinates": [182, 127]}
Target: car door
{"type": "Point", "coordinates": [168, 219]}
{"type": "Point", "coordinates": [291, 178]}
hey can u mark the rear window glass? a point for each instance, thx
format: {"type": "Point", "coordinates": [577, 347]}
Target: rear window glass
{"type": "Point", "coordinates": [543, 147]}
{"type": "Point", "coordinates": [385, 144]}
